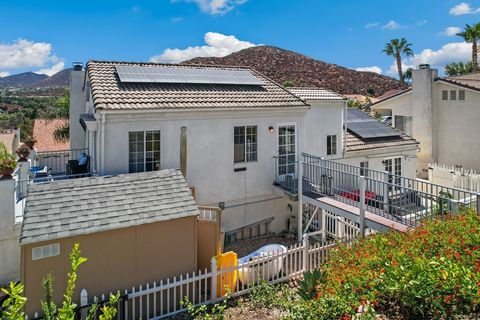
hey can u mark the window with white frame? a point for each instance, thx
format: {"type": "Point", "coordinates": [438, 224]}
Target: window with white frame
{"type": "Point", "coordinates": [364, 168]}
{"type": "Point", "coordinates": [461, 94]}
{"type": "Point", "coordinates": [245, 144]}
{"type": "Point", "coordinates": [444, 94]}
{"type": "Point", "coordinates": [143, 151]}
{"type": "Point", "coordinates": [453, 95]}
{"type": "Point", "coordinates": [404, 124]}
{"type": "Point", "coordinates": [394, 167]}
{"type": "Point", "coordinates": [331, 145]}
{"type": "Point", "coordinates": [43, 252]}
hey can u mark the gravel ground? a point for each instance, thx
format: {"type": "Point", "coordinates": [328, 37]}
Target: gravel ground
{"type": "Point", "coordinates": [247, 246]}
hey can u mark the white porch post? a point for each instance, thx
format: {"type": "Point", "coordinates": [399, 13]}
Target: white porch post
{"type": "Point", "coordinates": [300, 200]}
{"type": "Point", "coordinates": [361, 183]}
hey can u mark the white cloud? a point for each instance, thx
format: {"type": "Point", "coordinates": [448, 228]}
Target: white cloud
{"type": "Point", "coordinates": [463, 8]}
{"type": "Point", "coordinates": [450, 52]}
{"type": "Point", "coordinates": [215, 7]}
{"type": "Point", "coordinates": [375, 69]}
{"type": "Point", "coordinates": [4, 74]}
{"type": "Point", "coordinates": [451, 31]}
{"type": "Point", "coordinates": [391, 25]}
{"type": "Point", "coordinates": [53, 69]}
{"type": "Point", "coordinates": [217, 45]}
{"type": "Point", "coordinates": [421, 22]}
{"type": "Point", "coordinates": [24, 54]}
{"type": "Point", "coordinates": [371, 25]}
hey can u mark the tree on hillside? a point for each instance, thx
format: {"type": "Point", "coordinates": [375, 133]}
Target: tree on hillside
{"type": "Point", "coordinates": [397, 48]}
{"type": "Point", "coordinates": [471, 34]}
{"type": "Point", "coordinates": [458, 68]}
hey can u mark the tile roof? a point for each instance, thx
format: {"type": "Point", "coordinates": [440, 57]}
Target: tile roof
{"type": "Point", "coordinates": [356, 143]}
{"type": "Point", "coordinates": [109, 93]}
{"type": "Point", "coordinates": [43, 130]}
{"type": "Point", "coordinates": [66, 208]}
{"type": "Point", "coordinates": [315, 93]}
{"type": "Point", "coordinates": [471, 80]}
{"type": "Point", "coordinates": [390, 96]}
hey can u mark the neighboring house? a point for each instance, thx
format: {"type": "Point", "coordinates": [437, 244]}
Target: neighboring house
{"type": "Point", "coordinates": [43, 131]}
{"type": "Point", "coordinates": [327, 118]}
{"type": "Point", "coordinates": [11, 139]}
{"type": "Point", "coordinates": [442, 114]}
{"type": "Point", "coordinates": [133, 228]}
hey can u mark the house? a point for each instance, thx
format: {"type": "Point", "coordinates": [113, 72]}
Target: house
{"type": "Point", "coordinates": [393, 151]}
{"type": "Point", "coordinates": [43, 131]}
{"type": "Point", "coordinates": [11, 139]}
{"type": "Point", "coordinates": [133, 228]}
{"type": "Point", "coordinates": [442, 114]}
{"type": "Point", "coordinates": [231, 130]}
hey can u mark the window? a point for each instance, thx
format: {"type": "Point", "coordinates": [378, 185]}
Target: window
{"type": "Point", "coordinates": [404, 124]}
{"type": "Point", "coordinates": [394, 167]}
{"type": "Point", "coordinates": [46, 251]}
{"type": "Point", "coordinates": [445, 95]}
{"type": "Point", "coordinates": [143, 151]}
{"type": "Point", "coordinates": [461, 95]}
{"type": "Point", "coordinates": [245, 144]}
{"type": "Point", "coordinates": [364, 168]}
{"type": "Point", "coordinates": [331, 145]}
{"type": "Point", "coordinates": [453, 95]}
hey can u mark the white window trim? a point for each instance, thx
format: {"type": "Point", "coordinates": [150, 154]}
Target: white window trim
{"type": "Point", "coordinates": [336, 145]}
{"type": "Point", "coordinates": [145, 149]}
{"type": "Point", "coordinates": [245, 137]}
{"type": "Point", "coordinates": [51, 250]}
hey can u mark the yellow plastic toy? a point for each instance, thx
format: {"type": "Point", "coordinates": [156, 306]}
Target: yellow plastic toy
{"type": "Point", "coordinates": [226, 280]}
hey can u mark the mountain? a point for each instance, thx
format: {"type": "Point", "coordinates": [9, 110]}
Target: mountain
{"type": "Point", "coordinates": [25, 79]}
{"type": "Point", "coordinates": [283, 65]}
{"type": "Point", "coordinates": [59, 79]}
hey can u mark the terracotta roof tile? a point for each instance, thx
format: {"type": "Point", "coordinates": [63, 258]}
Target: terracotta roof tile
{"type": "Point", "coordinates": [108, 92]}
{"type": "Point", "coordinates": [43, 130]}
{"type": "Point", "coordinates": [355, 143]}
{"type": "Point", "coordinates": [315, 94]}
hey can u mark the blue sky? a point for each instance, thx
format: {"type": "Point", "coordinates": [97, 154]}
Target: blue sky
{"type": "Point", "coordinates": [44, 36]}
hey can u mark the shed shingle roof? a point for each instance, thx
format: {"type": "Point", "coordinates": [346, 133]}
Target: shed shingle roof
{"type": "Point", "coordinates": [68, 208]}
{"type": "Point", "coordinates": [108, 92]}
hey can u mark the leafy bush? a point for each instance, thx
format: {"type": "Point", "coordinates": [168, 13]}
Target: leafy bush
{"type": "Point", "coordinates": [428, 273]}
{"type": "Point", "coordinates": [308, 286]}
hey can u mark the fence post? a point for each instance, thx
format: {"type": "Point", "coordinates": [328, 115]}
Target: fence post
{"type": "Point", "coordinates": [478, 204]}
{"type": "Point", "coordinates": [386, 190]}
{"type": "Point", "coordinates": [300, 202]}
{"type": "Point", "coordinates": [324, 227]}
{"type": "Point", "coordinates": [361, 183]}
{"type": "Point", "coordinates": [83, 297]}
{"type": "Point", "coordinates": [305, 253]}
{"type": "Point", "coordinates": [214, 280]}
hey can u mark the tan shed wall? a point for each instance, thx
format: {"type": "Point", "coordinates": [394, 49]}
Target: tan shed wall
{"type": "Point", "coordinates": [208, 239]}
{"type": "Point", "coordinates": [117, 259]}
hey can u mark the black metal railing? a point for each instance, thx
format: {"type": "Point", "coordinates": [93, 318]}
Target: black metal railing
{"type": "Point", "coordinates": [395, 197]}
{"type": "Point", "coordinates": [64, 162]}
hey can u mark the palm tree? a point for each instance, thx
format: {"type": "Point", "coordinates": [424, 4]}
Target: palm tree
{"type": "Point", "coordinates": [458, 68]}
{"type": "Point", "coordinates": [407, 76]}
{"type": "Point", "coordinates": [471, 34]}
{"type": "Point", "coordinates": [397, 48]}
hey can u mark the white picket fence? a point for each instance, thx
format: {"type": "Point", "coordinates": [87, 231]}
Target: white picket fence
{"type": "Point", "coordinates": [454, 177]}
{"type": "Point", "coordinates": [158, 300]}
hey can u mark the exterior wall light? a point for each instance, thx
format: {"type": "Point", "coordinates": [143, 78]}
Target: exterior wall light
{"type": "Point", "coordinates": [270, 129]}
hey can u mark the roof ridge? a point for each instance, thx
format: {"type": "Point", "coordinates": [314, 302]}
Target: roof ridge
{"type": "Point", "coordinates": [114, 62]}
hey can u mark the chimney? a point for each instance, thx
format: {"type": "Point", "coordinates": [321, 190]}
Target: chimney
{"type": "Point", "coordinates": [423, 114]}
{"type": "Point", "coordinates": [77, 106]}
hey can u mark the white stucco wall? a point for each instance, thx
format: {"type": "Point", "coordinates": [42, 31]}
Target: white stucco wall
{"type": "Point", "coordinates": [210, 165]}
{"type": "Point", "coordinates": [457, 131]}
{"type": "Point", "coordinates": [9, 234]}
{"type": "Point", "coordinates": [323, 119]}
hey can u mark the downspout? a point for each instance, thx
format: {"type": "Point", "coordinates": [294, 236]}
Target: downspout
{"type": "Point", "coordinates": [102, 149]}
{"type": "Point", "coordinates": [344, 138]}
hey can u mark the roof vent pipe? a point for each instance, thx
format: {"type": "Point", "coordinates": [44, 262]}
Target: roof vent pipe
{"type": "Point", "coordinates": [77, 66]}
{"type": "Point", "coordinates": [424, 66]}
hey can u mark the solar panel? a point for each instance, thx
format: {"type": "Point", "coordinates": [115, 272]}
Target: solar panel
{"type": "Point", "coordinates": [164, 74]}
{"type": "Point", "coordinates": [368, 127]}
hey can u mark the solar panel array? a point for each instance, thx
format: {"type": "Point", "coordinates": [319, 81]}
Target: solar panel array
{"type": "Point", "coordinates": [165, 74]}
{"type": "Point", "coordinates": [368, 127]}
